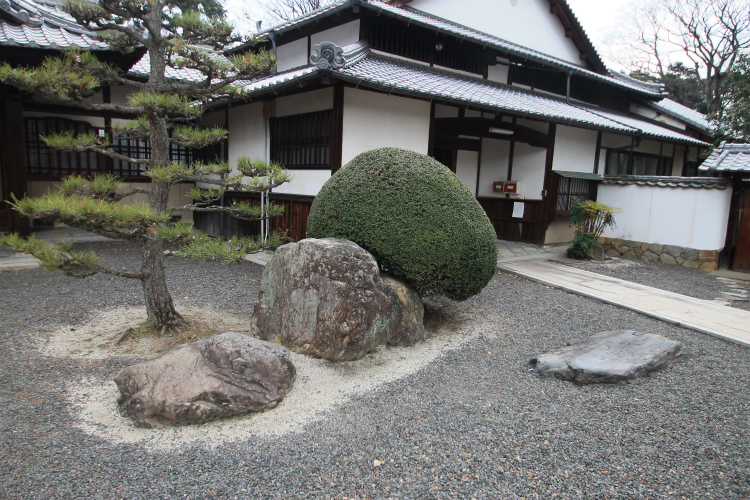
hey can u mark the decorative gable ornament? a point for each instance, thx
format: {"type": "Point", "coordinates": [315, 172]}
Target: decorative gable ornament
{"type": "Point", "coordinates": [327, 55]}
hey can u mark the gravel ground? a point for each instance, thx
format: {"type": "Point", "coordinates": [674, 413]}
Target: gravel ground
{"type": "Point", "coordinates": [678, 279]}
{"type": "Point", "coordinates": [474, 423]}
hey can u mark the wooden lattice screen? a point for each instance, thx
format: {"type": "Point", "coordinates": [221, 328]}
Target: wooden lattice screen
{"type": "Point", "coordinates": [302, 141]}
{"type": "Point", "coordinates": [43, 161]}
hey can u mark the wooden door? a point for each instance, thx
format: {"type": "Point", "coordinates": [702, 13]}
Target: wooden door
{"type": "Point", "coordinates": [741, 260]}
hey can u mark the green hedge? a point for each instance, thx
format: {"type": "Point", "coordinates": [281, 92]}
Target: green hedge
{"type": "Point", "coordinates": [418, 220]}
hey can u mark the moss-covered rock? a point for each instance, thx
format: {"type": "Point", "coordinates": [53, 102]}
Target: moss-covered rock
{"type": "Point", "coordinates": [418, 220]}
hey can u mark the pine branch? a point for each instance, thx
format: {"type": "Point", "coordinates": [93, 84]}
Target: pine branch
{"type": "Point", "coordinates": [61, 257]}
{"type": "Point", "coordinates": [239, 210]}
{"type": "Point", "coordinates": [195, 137]}
{"type": "Point", "coordinates": [129, 222]}
{"type": "Point", "coordinates": [68, 141]}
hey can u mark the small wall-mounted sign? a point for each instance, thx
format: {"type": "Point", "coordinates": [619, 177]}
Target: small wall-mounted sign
{"type": "Point", "coordinates": [510, 187]}
{"type": "Point", "coordinates": [497, 187]}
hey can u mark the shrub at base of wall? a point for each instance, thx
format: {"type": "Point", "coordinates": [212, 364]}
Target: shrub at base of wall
{"type": "Point", "coordinates": [705, 260]}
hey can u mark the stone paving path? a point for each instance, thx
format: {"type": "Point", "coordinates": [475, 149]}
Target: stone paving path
{"type": "Point", "coordinates": [701, 315]}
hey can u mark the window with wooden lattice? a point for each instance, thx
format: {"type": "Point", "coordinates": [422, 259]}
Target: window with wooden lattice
{"type": "Point", "coordinates": [571, 189]}
{"type": "Point", "coordinates": [140, 150]}
{"type": "Point", "coordinates": [302, 141]}
{"type": "Point", "coordinates": [41, 161]}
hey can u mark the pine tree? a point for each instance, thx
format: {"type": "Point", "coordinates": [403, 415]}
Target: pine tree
{"type": "Point", "coordinates": [172, 38]}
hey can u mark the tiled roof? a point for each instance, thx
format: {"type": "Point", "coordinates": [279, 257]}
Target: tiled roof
{"type": "Point", "coordinates": [729, 158]}
{"type": "Point", "coordinates": [666, 181]}
{"type": "Point", "coordinates": [417, 17]}
{"type": "Point", "coordinates": [688, 115]}
{"type": "Point", "coordinates": [42, 24]}
{"type": "Point", "coordinates": [143, 68]}
{"type": "Point", "coordinates": [394, 75]}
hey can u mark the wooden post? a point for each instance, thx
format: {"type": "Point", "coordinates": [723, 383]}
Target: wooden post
{"type": "Point", "coordinates": [337, 128]}
{"type": "Point", "coordinates": [13, 159]}
{"type": "Point", "coordinates": [549, 206]}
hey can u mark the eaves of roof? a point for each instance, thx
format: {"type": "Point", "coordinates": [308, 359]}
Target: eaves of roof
{"type": "Point", "coordinates": [418, 18]}
{"type": "Point", "coordinates": [403, 78]}
{"type": "Point", "coordinates": [728, 158]}
{"type": "Point", "coordinates": [690, 116]}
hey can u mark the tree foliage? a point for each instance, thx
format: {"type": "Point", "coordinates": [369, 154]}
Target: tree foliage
{"type": "Point", "coordinates": [735, 122]}
{"type": "Point", "coordinates": [419, 221]}
{"type": "Point", "coordinates": [177, 34]}
{"type": "Point", "coordinates": [590, 219]}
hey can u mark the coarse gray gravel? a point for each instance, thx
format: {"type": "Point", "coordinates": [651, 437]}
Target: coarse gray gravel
{"type": "Point", "coordinates": [475, 423]}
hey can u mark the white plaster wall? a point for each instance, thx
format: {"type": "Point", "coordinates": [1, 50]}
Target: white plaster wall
{"type": "Point", "coordinates": [317, 100]}
{"type": "Point", "coordinates": [693, 218]}
{"type": "Point", "coordinates": [610, 140]}
{"type": "Point", "coordinates": [528, 170]}
{"type": "Point", "coordinates": [650, 147]}
{"type": "Point", "coordinates": [653, 114]}
{"type": "Point", "coordinates": [510, 22]}
{"type": "Point", "coordinates": [343, 35]}
{"type": "Point", "coordinates": [247, 132]}
{"type": "Point", "coordinates": [305, 182]}
{"type": "Point", "coordinates": [466, 168]}
{"type": "Point", "coordinates": [292, 55]}
{"type": "Point", "coordinates": [373, 120]}
{"type": "Point", "coordinates": [498, 73]}
{"type": "Point", "coordinates": [575, 149]}
{"type": "Point", "coordinates": [494, 166]}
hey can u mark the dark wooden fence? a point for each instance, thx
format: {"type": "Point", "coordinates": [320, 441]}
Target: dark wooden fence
{"type": "Point", "coordinates": [293, 220]}
{"type": "Point", "coordinates": [529, 228]}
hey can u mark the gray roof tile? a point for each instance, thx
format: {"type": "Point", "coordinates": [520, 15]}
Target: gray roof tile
{"type": "Point", "coordinates": [688, 115]}
{"type": "Point", "coordinates": [42, 24]}
{"type": "Point", "coordinates": [728, 158]}
{"type": "Point", "coordinates": [666, 181]}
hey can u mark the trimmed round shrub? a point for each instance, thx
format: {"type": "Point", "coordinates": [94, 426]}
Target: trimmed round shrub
{"type": "Point", "coordinates": [418, 220]}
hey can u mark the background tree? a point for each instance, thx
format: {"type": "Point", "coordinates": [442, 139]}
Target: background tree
{"type": "Point", "coordinates": [279, 11]}
{"type": "Point", "coordinates": [174, 38]}
{"type": "Point", "coordinates": [735, 122]}
{"type": "Point", "coordinates": [686, 44]}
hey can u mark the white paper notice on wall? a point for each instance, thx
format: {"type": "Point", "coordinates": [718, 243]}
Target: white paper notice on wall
{"type": "Point", "coordinates": [517, 210]}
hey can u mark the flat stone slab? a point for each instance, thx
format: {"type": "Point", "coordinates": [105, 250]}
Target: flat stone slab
{"type": "Point", "coordinates": [608, 357]}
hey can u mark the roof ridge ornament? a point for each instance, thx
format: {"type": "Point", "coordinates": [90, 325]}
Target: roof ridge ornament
{"type": "Point", "coordinates": [327, 55]}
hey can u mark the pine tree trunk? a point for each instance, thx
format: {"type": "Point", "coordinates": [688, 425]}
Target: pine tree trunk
{"type": "Point", "coordinates": [160, 309]}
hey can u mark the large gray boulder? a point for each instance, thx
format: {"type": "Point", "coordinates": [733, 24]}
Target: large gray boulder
{"type": "Point", "coordinates": [326, 297]}
{"type": "Point", "coordinates": [223, 376]}
{"type": "Point", "coordinates": [608, 357]}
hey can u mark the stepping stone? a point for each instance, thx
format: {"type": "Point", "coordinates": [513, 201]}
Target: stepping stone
{"type": "Point", "coordinates": [608, 357]}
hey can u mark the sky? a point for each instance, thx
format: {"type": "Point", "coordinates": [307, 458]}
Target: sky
{"type": "Point", "coordinates": [599, 18]}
